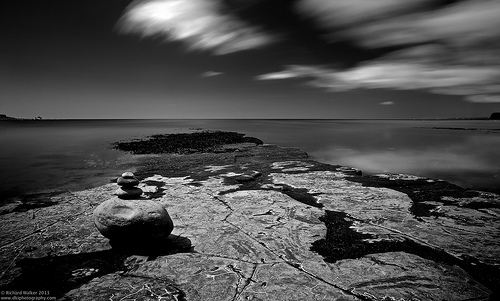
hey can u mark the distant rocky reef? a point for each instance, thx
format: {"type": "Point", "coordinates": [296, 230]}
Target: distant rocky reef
{"type": "Point", "coordinates": [4, 117]}
{"type": "Point", "coordinates": [187, 143]}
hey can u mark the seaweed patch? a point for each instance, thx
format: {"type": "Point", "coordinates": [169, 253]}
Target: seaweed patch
{"type": "Point", "coordinates": [343, 242]}
{"type": "Point", "coordinates": [63, 273]}
{"type": "Point", "coordinates": [185, 143]}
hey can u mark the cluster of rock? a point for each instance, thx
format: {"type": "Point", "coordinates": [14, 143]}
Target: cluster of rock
{"type": "Point", "coordinates": [129, 220]}
{"type": "Point", "coordinates": [374, 238]}
{"type": "Point", "coordinates": [128, 186]}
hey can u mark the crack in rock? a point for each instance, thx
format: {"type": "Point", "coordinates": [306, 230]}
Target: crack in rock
{"type": "Point", "coordinates": [234, 258]}
{"type": "Point", "coordinates": [241, 277]}
{"type": "Point", "coordinates": [343, 242]}
{"type": "Point", "coordinates": [298, 266]}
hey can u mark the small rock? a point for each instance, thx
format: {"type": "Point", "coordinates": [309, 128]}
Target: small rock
{"type": "Point", "coordinates": [85, 272]}
{"type": "Point", "coordinates": [247, 177]}
{"type": "Point", "coordinates": [127, 182]}
{"type": "Point", "coordinates": [244, 178]}
{"type": "Point", "coordinates": [128, 192]}
{"type": "Point", "coordinates": [133, 221]}
{"type": "Point", "coordinates": [256, 174]}
{"type": "Point", "coordinates": [128, 175]}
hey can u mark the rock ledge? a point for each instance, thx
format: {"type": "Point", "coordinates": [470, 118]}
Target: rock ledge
{"type": "Point", "coordinates": [266, 223]}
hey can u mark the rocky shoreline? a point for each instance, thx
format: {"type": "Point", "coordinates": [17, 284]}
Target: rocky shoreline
{"type": "Point", "coordinates": [260, 222]}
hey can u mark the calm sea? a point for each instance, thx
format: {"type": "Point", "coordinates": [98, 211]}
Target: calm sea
{"type": "Point", "coordinates": [53, 156]}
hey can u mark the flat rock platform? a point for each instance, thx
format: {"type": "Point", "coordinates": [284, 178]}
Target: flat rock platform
{"type": "Point", "coordinates": [261, 222]}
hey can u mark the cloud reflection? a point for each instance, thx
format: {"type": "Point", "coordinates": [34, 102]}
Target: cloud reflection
{"type": "Point", "coordinates": [473, 156]}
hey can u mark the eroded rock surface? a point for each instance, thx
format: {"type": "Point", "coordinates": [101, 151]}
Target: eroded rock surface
{"type": "Point", "coordinates": [130, 222]}
{"type": "Point", "coordinates": [297, 230]}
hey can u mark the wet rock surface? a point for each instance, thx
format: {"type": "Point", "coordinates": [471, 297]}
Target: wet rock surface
{"type": "Point", "coordinates": [266, 223]}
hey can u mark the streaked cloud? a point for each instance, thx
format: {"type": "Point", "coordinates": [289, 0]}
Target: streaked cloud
{"type": "Point", "coordinates": [475, 82]}
{"type": "Point", "coordinates": [211, 74]}
{"type": "Point", "coordinates": [279, 75]}
{"type": "Point", "coordinates": [453, 49]}
{"type": "Point", "coordinates": [445, 47]}
{"type": "Point", "coordinates": [387, 103]}
{"type": "Point", "coordinates": [200, 23]}
{"type": "Point", "coordinates": [385, 23]}
{"type": "Point", "coordinates": [344, 13]}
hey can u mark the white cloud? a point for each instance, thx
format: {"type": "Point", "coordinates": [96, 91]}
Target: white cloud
{"type": "Point", "coordinates": [385, 23]}
{"type": "Point", "coordinates": [277, 75]}
{"type": "Point", "coordinates": [211, 74]}
{"type": "Point", "coordinates": [459, 52]}
{"type": "Point", "coordinates": [199, 23]}
{"type": "Point", "coordinates": [449, 49]}
{"type": "Point", "coordinates": [411, 75]}
{"type": "Point", "coordinates": [341, 13]}
{"type": "Point", "coordinates": [387, 103]}
{"type": "Point", "coordinates": [458, 80]}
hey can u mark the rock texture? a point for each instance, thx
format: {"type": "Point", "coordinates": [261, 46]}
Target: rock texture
{"type": "Point", "coordinates": [128, 175]}
{"type": "Point", "coordinates": [132, 222]}
{"type": "Point", "coordinates": [127, 182]}
{"type": "Point", "coordinates": [296, 230]}
{"type": "Point", "coordinates": [128, 193]}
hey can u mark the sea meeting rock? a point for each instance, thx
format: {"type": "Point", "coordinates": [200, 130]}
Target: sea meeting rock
{"type": "Point", "coordinates": [364, 238]}
{"type": "Point", "coordinates": [133, 221]}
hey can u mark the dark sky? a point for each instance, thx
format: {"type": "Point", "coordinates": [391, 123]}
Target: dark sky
{"type": "Point", "coordinates": [244, 59]}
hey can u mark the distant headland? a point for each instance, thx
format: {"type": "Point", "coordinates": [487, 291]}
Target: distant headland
{"type": "Point", "coordinates": [4, 117]}
{"type": "Point", "coordinates": [493, 116]}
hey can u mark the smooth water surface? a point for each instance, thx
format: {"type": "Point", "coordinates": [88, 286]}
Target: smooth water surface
{"type": "Point", "coordinates": [44, 156]}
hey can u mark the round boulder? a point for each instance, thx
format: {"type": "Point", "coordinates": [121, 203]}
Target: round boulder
{"type": "Point", "coordinates": [133, 221]}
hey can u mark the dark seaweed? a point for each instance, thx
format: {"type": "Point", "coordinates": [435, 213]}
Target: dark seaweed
{"type": "Point", "coordinates": [53, 274]}
{"type": "Point", "coordinates": [342, 242]}
{"type": "Point", "coordinates": [185, 143]}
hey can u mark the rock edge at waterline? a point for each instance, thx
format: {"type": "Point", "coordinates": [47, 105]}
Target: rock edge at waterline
{"type": "Point", "coordinates": [266, 223]}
